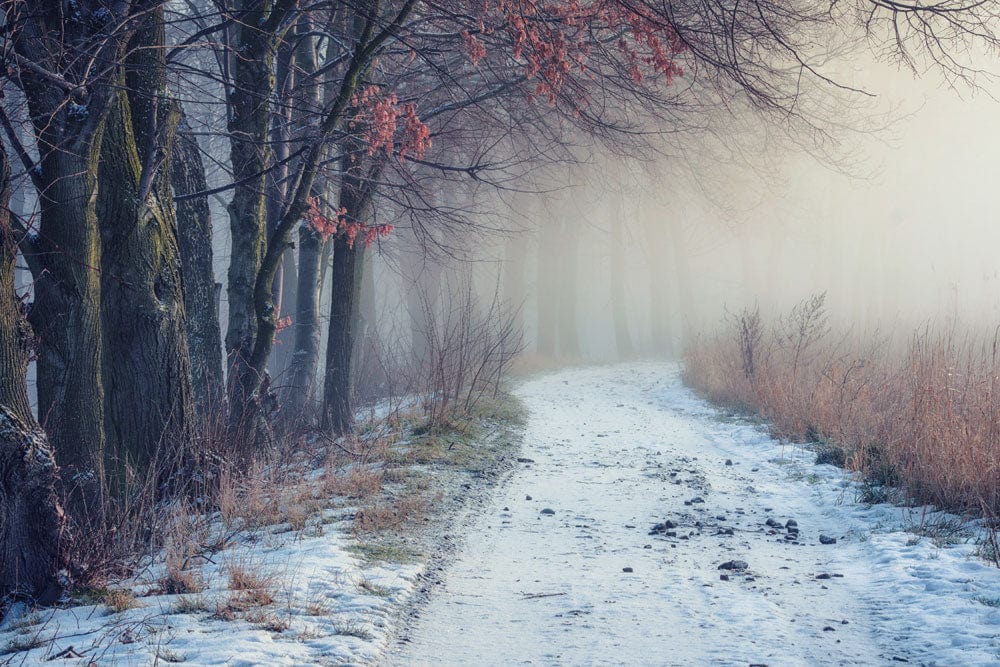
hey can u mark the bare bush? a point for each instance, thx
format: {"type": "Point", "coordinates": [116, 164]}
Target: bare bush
{"type": "Point", "coordinates": [471, 347]}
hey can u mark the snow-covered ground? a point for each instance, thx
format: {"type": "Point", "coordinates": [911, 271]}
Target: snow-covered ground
{"type": "Point", "coordinates": [328, 608]}
{"type": "Point", "coordinates": [562, 569]}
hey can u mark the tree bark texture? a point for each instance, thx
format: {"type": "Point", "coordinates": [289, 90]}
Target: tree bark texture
{"type": "Point", "coordinates": [31, 519]}
{"type": "Point", "coordinates": [143, 320]}
{"type": "Point", "coordinates": [194, 236]}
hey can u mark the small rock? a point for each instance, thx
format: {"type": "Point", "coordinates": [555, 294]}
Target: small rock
{"type": "Point", "coordinates": [647, 546]}
{"type": "Point", "coordinates": [738, 565]}
{"type": "Point", "coordinates": [522, 459]}
{"type": "Point", "coordinates": [828, 629]}
{"type": "Point", "coordinates": [724, 577]}
{"type": "Point", "coordinates": [548, 511]}
{"type": "Point", "coordinates": [823, 575]}
{"type": "Point", "coordinates": [699, 499]}
{"type": "Point", "coordinates": [729, 462]}
{"type": "Point", "coordinates": [506, 509]}
{"type": "Point", "coordinates": [629, 526]}
{"type": "Point", "coordinates": [824, 539]}
{"type": "Point", "coordinates": [627, 569]}
{"type": "Point", "coordinates": [791, 523]}
{"type": "Point", "coordinates": [527, 497]}
{"type": "Point", "coordinates": [772, 523]}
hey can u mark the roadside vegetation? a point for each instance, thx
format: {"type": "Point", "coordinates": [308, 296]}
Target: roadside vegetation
{"type": "Point", "coordinates": [921, 415]}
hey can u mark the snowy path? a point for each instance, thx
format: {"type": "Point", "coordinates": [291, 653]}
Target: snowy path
{"type": "Point", "coordinates": [618, 449]}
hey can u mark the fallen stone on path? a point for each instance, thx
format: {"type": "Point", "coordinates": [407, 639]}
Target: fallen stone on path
{"type": "Point", "coordinates": [737, 565]}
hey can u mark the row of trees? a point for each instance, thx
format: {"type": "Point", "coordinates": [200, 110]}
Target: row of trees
{"type": "Point", "coordinates": [321, 125]}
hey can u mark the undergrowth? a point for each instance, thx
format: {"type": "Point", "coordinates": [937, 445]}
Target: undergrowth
{"type": "Point", "coordinates": [921, 415]}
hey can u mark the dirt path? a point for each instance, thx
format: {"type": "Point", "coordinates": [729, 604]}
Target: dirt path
{"type": "Point", "coordinates": [562, 568]}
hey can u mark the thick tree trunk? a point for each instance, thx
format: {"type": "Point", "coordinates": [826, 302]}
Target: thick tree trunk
{"type": "Point", "coordinates": [66, 314]}
{"type": "Point", "coordinates": [194, 236]}
{"type": "Point", "coordinates": [619, 302]}
{"type": "Point", "coordinates": [142, 308]}
{"type": "Point", "coordinates": [31, 519]}
{"type": "Point", "coordinates": [569, 256]}
{"type": "Point", "coordinates": [301, 383]}
{"type": "Point", "coordinates": [142, 298]}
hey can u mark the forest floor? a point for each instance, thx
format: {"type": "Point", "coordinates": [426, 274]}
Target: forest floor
{"type": "Point", "coordinates": [645, 527]}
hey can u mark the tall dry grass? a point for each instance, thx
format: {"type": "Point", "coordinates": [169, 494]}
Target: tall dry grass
{"type": "Point", "coordinates": [922, 414]}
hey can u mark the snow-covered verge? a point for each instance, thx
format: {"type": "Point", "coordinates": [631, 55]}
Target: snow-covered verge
{"type": "Point", "coordinates": [313, 590]}
{"type": "Point", "coordinates": [647, 528]}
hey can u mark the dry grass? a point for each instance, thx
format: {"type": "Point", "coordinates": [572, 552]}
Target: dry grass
{"type": "Point", "coordinates": [356, 482]}
{"type": "Point", "coordinates": [245, 575]}
{"type": "Point", "coordinates": [391, 515]}
{"type": "Point", "coordinates": [923, 414]}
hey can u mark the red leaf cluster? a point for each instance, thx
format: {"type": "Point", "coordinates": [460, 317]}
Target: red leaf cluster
{"type": "Point", "coordinates": [389, 125]}
{"type": "Point", "coordinates": [341, 223]}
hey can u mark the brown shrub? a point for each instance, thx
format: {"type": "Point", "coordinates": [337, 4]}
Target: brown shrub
{"type": "Point", "coordinates": [385, 516]}
{"type": "Point", "coordinates": [924, 414]}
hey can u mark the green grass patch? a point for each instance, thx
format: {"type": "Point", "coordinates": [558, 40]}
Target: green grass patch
{"type": "Point", "coordinates": [383, 552]}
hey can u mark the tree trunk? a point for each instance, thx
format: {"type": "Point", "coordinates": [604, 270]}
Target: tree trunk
{"type": "Point", "coordinates": [338, 411]}
{"type": "Point", "coordinates": [301, 383]}
{"type": "Point", "coordinates": [31, 519]}
{"type": "Point", "coordinates": [66, 313]}
{"type": "Point", "coordinates": [277, 191]}
{"type": "Point", "coordinates": [687, 314]}
{"type": "Point", "coordinates": [619, 303]}
{"type": "Point", "coordinates": [142, 308]}
{"type": "Point", "coordinates": [194, 236]}
{"type": "Point", "coordinates": [338, 408]}
{"type": "Point", "coordinates": [364, 329]}
{"type": "Point", "coordinates": [142, 298]}
{"type": "Point", "coordinates": [253, 84]}
{"type": "Point", "coordinates": [547, 294]}
{"type": "Point", "coordinates": [569, 254]}
{"type": "Point", "coordinates": [514, 289]}
{"type": "Point", "coordinates": [658, 262]}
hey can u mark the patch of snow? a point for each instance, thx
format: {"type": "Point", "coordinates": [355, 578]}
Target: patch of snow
{"type": "Point", "coordinates": [613, 452]}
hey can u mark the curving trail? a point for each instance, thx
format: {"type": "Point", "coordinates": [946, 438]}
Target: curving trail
{"type": "Point", "coordinates": [616, 450]}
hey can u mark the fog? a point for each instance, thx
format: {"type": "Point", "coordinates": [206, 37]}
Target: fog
{"type": "Point", "coordinates": [896, 223]}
